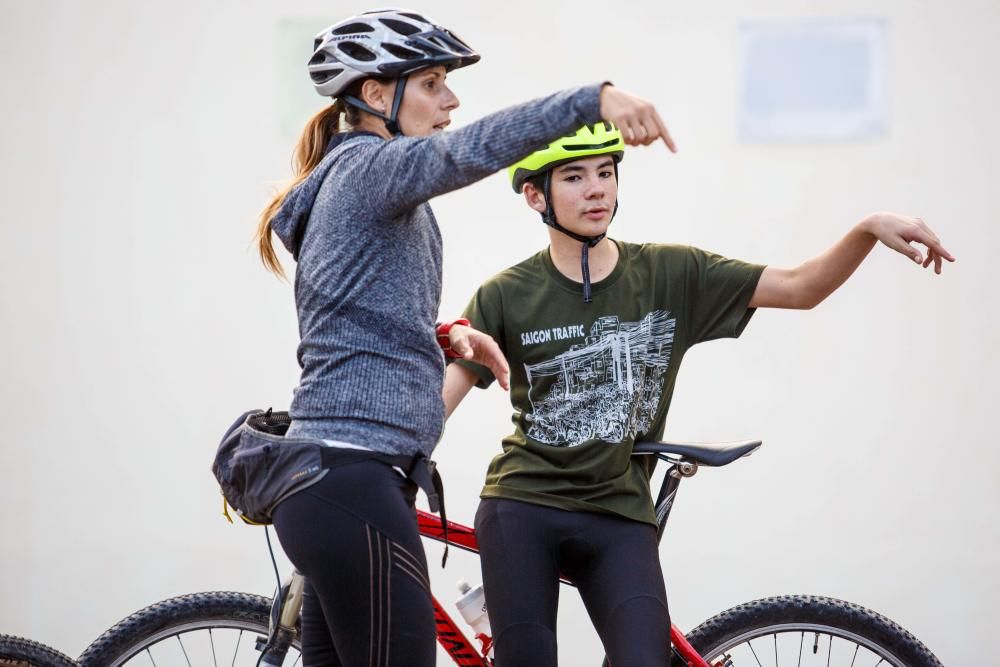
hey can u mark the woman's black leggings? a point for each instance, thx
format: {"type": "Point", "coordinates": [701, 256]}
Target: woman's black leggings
{"type": "Point", "coordinates": [367, 600]}
{"type": "Point", "coordinates": [613, 561]}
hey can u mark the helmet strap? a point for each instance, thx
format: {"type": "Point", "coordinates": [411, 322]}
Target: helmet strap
{"type": "Point", "coordinates": [391, 121]}
{"type": "Point", "coordinates": [549, 218]}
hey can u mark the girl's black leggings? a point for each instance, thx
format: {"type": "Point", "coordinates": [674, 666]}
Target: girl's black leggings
{"type": "Point", "coordinates": [367, 599]}
{"type": "Point", "coordinates": [613, 561]}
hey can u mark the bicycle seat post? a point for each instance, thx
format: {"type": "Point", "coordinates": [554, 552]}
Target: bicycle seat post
{"type": "Point", "coordinates": [668, 491]}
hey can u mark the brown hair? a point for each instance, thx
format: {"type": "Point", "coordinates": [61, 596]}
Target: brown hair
{"type": "Point", "coordinates": [308, 153]}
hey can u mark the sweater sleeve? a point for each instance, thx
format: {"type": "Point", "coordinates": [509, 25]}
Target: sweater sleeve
{"type": "Point", "coordinates": [404, 172]}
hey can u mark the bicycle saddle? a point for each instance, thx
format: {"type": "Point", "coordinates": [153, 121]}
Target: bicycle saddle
{"type": "Point", "coordinates": [704, 453]}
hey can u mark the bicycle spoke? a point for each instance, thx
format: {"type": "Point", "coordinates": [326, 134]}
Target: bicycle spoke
{"type": "Point", "coordinates": [211, 640]}
{"type": "Point", "coordinates": [735, 636]}
{"type": "Point", "coordinates": [238, 640]}
{"type": "Point", "coordinates": [199, 644]}
{"type": "Point", "coordinates": [195, 630]}
{"type": "Point", "coordinates": [752, 650]}
{"type": "Point", "coordinates": [186, 658]}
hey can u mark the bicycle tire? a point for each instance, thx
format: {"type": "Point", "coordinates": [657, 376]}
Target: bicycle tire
{"type": "Point", "coordinates": [812, 616]}
{"type": "Point", "coordinates": [158, 625]}
{"type": "Point", "coordinates": [21, 652]}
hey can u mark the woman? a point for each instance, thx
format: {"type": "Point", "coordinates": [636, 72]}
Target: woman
{"type": "Point", "coordinates": [367, 291]}
{"type": "Point", "coordinates": [594, 331]}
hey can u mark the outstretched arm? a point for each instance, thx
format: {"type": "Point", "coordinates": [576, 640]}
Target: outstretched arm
{"type": "Point", "coordinates": [407, 171]}
{"type": "Point", "coordinates": [806, 285]}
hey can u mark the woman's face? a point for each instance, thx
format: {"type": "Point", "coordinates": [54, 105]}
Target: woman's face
{"type": "Point", "coordinates": [427, 103]}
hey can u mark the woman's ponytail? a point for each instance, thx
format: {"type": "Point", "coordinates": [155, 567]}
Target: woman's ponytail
{"type": "Point", "coordinates": [308, 153]}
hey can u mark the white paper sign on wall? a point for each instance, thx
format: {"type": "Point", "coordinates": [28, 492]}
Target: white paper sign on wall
{"type": "Point", "coordinates": [812, 80]}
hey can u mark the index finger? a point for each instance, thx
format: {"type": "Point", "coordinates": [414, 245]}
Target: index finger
{"type": "Point", "coordinates": [932, 242]}
{"type": "Point", "coordinates": [664, 132]}
{"type": "Point", "coordinates": [939, 249]}
{"type": "Point", "coordinates": [503, 379]}
{"type": "Point", "coordinates": [501, 372]}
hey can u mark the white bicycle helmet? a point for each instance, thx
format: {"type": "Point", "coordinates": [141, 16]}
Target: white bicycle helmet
{"type": "Point", "coordinates": [389, 43]}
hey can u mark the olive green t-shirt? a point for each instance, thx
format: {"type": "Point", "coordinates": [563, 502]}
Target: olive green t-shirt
{"type": "Point", "coordinates": [588, 380]}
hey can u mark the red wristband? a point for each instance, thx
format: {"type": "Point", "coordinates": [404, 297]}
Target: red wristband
{"type": "Point", "coordinates": [444, 341]}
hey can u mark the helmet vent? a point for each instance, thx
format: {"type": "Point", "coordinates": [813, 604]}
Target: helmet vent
{"type": "Point", "coordinates": [438, 42]}
{"type": "Point", "coordinates": [322, 77]}
{"type": "Point", "coordinates": [353, 27]}
{"type": "Point", "coordinates": [401, 27]}
{"type": "Point", "coordinates": [320, 58]}
{"type": "Point", "coordinates": [415, 17]}
{"type": "Point", "coordinates": [591, 147]}
{"type": "Point", "coordinates": [401, 51]}
{"type": "Point", "coordinates": [356, 51]}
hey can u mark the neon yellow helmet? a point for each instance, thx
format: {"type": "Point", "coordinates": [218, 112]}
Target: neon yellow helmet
{"type": "Point", "coordinates": [600, 139]}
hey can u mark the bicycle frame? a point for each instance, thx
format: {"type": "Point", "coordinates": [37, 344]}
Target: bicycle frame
{"type": "Point", "coordinates": [287, 601]}
{"type": "Point", "coordinates": [454, 641]}
{"type": "Point", "coordinates": [726, 636]}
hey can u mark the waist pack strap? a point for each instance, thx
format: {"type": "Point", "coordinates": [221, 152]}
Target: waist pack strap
{"type": "Point", "coordinates": [420, 469]}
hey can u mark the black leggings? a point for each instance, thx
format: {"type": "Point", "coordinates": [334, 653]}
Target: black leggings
{"type": "Point", "coordinates": [613, 561]}
{"type": "Point", "coordinates": [367, 600]}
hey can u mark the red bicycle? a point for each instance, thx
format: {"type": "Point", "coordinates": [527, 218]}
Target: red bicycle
{"type": "Point", "coordinates": [804, 630]}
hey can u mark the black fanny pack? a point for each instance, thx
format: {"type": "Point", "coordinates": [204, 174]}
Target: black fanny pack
{"type": "Point", "coordinates": [257, 467]}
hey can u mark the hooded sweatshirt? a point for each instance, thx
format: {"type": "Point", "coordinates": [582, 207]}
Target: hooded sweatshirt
{"type": "Point", "coordinates": [368, 274]}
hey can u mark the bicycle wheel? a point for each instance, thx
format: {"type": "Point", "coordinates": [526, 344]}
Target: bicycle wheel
{"type": "Point", "coordinates": [21, 652]}
{"type": "Point", "coordinates": [806, 631]}
{"type": "Point", "coordinates": [216, 628]}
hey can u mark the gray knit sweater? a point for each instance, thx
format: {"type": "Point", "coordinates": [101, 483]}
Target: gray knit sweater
{"type": "Point", "coordinates": [368, 276]}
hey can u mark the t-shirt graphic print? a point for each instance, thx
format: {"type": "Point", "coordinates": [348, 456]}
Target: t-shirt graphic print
{"type": "Point", "coordinates": [587, 380]}
{"type": "Point", "coordinates": [607, 388]}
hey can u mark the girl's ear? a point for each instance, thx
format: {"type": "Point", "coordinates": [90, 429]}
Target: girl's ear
{"type": "Point", "coordinates": [534, 197]}
{"type": "Point", "coordinates": [373, 94]}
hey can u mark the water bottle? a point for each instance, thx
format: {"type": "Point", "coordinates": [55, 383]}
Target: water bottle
{"type": "Point", "coordinates": [472, 606]}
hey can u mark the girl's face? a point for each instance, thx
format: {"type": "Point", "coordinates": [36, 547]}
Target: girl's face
{"type": "Point", "coordinates": [427, 102]}
{"type": "Point", "coordinates": [583, 195]}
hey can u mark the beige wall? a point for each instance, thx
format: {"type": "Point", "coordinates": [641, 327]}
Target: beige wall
{"type": "Point", "coordinates": [139, 142]}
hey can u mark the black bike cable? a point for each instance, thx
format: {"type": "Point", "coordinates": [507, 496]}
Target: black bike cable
{"type": "Point", "coordinates": [277, 578]}
{"type": "Point", "coordinates": [274, 563]}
